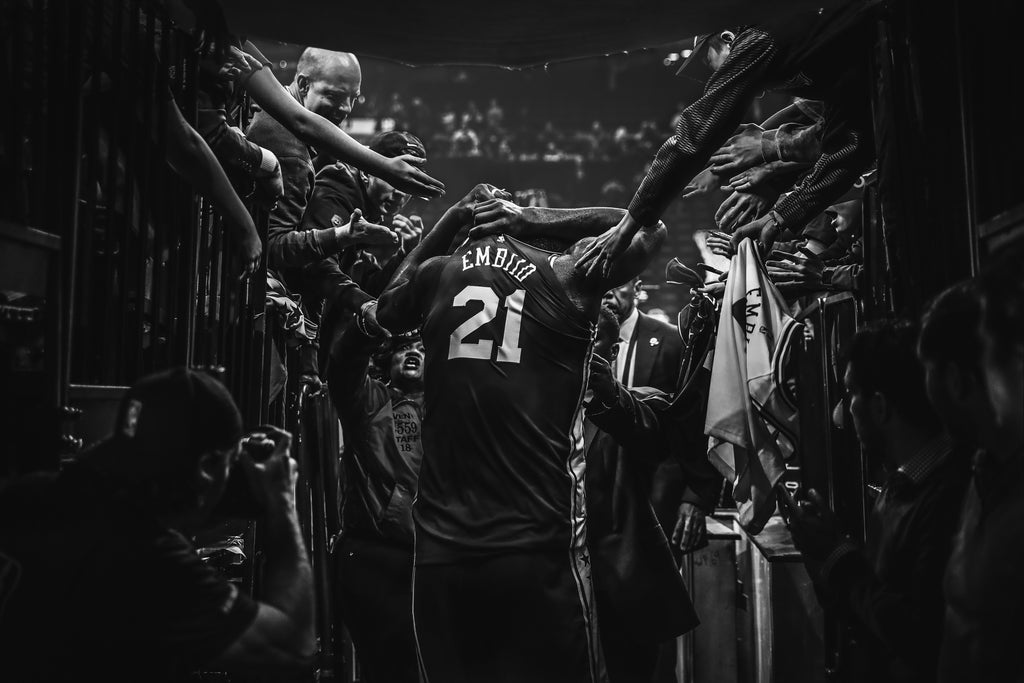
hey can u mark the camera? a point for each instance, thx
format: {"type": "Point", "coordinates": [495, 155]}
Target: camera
{"type": "Point", "coordinates": [238, 501]}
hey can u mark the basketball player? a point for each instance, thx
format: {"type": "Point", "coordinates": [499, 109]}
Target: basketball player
{"type": "Point", "coordinates": [501, 588]}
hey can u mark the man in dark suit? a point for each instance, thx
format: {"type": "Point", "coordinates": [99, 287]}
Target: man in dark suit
{"type": "Point", "coordinates": [641, 599]}
{"type": "Point", "coordinates": [685, 486]}
{"type": "Point", "coordinates": [650, 353]}
{"type": "Point", "coordinates": [650, 348]}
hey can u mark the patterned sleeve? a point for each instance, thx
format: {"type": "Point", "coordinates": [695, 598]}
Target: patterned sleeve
{"type": "Point", "coordinates": [705, 124]}
{"type": "Point", "coordinates": [847, 149]}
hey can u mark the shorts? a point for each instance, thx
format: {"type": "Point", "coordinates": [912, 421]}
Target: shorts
{"type": "Point", "coordinates": [520, 617]}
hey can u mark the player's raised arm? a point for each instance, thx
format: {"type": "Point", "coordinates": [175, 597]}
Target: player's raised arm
{"type": "Point", "coordinates": [401, 306]}
{"type": "Point", "coordinates": [501, 216]}
{"type": "Point", "coordinates": [643, 245]}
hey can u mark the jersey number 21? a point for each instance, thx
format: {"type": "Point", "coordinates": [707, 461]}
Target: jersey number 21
{"type": "Point", "coordinates": [508, 351]}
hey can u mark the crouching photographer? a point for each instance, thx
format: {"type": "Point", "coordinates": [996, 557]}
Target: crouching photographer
{"type": "Point", "coordinates": [97, 576]}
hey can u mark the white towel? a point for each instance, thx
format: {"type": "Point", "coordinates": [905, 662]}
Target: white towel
{"type": "Point", "coordinates": [751, 418]}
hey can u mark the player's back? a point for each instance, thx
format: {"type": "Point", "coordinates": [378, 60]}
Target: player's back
{"type": "Point", "coordinates": [507, 354]}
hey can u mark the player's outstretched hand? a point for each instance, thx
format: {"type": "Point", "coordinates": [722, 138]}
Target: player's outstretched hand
{"type": "Point", "coordinates": [599, 256]}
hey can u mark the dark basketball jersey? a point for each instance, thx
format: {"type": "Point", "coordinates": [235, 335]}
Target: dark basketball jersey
{"type": "Point", "coordinates": [507, 354]}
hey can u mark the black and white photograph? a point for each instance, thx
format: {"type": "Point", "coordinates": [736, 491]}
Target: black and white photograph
{"type": "Point", "coordinates": [592, 341]}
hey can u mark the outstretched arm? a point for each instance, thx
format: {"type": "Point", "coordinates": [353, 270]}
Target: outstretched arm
{"type": "Point", "coordinates": [641, 249]}
{"type": "Point", "coordinates": [501, 216]}
{"type": "Point", "coordinates": [313, 129]}
{"type": "Point", "coordinates": [190, 156]}
{"type": "Point", "coordinates": [847, 149]}
{"type": "Point", "coordinates": [703, 127]}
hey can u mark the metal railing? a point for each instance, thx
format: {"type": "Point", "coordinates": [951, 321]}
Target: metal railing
{"type": "Point", "coordinates": [147, 278]}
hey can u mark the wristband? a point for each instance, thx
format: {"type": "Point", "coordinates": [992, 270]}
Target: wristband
{"type": "Point", "coordinates": [268, 162]}
{"type": "Point", "coordinates": [361, 317]}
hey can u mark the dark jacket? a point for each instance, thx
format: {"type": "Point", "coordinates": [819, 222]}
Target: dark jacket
{"type": "Point", "coordinates": [892, 591]}
{"type": "Point", "coordinates": [383, 447]}
{"type": "Point", "coordinates": [287, 245]}
{"type": "Point", "coordinates": [636, 580]}
{"type": "Point", "coordinates": [683, 473]}
{"type": "Point", "coordinates": [658, 350]}
{"type": "Point", "coordinates": [341, 283]}
{"type": "Point", "coordinates": [983, 588]}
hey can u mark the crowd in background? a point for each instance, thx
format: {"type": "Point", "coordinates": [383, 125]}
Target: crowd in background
{"type": "Point", "coordinates": [496, 131]}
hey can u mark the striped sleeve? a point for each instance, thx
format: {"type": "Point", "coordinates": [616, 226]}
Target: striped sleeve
{"type": "Point", "coordinates": [847, 149]}
{"type": "Point", "coordinates": [705, 124]}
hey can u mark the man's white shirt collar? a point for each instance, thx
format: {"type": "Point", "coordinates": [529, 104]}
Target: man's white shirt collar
{"type": "Point", "coordinates": [628, 325]}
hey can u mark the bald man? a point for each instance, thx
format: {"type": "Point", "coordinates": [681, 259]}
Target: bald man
{"type": "Point", "coordinates": [326, 83]}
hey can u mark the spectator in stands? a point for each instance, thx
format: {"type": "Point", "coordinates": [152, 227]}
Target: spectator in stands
{"type": "Point", "coordinates": [99, 579]}
{"type": "Point", "coordinates": [381, 461]}
{"type": "Point", "coordinates": [983, 589]}
{"type": "Point", "coordinates": [892, 587]}
{"type": "Point", "coordinates": [309, 110]}
{"type": "Point", "coordinates": [117, 59]}
{"type": "Point", "coordinates": [465, 142]}
{"type": "Point", "coordinates": [814, 54]}
{"type": "Point", "coordinates": [253, 170]}
{"type": "Point", "coordinates": [495, 114]}
{"type": "Point", "coordinates": [326, 83]}
{"type": "Point", "coordinates": [351, 283]}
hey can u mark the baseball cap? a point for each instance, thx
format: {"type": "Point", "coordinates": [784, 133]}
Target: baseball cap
{"type": "Point", "coordinates": [701, 45]}
{"type": "Point", "coordinates": [167, 419]}
{"type": "Point", "coordinates": [395, 143]}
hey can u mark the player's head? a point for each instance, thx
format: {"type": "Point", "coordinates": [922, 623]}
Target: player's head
{"type": "Point", "coordinates": [405, 361]}
{"type": "Point", "coordinates": [622, 299]}
{"type": "Point", "coordinates": [606, 343]}
{"type": "Point", "coordinates": [381, 193]}
{"type": "Point", "coordinates": [328, 83]}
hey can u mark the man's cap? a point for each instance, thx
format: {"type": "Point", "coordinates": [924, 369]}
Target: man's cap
{"type": "Point", "coordinates": [168, 419]}
{"type": "Point", "coordinates": [701, 45]}
{"type": "Point", "coordinates": [395, 143]}
{"type": "Point", "coordinates": [700, 48]}
{"type": "Point", "coordinates": [396, 341]}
